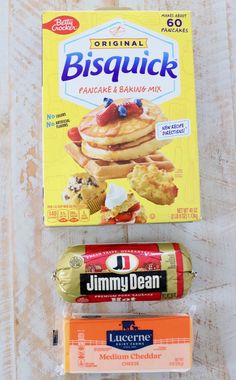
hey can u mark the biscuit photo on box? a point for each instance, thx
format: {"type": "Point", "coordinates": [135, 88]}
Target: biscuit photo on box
{"type": "Point", "coordinates": [153, 184]}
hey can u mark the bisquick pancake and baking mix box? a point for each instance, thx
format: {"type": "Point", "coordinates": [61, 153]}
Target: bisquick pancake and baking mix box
{"type": "Point", "coordinates": [119, 118]}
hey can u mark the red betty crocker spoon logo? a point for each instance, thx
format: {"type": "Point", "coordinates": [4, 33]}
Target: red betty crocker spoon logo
{"type": "Point", "coordinates": [62, 25]}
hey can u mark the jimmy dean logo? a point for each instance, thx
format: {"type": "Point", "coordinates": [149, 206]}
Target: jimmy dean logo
{"type": "Point", "coordinates": [122, 263]}
{"type": "Point", "coordinates": [130, 337]}
{"type": "Point", "coordinates": [119, 43]}
{"type": "Point", "coordinates": [76, 64]}
{"type": "Point", "coordinates": [109, 283]}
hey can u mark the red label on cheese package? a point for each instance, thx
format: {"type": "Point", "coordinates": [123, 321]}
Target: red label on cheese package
{"type": "Point", "coordinates": [62, 25]}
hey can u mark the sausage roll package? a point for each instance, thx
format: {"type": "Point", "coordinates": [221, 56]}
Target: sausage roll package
{"type": "Point", "coordinates": [126, 343]}
{"type": "Point", "coordinates": [124, 272]}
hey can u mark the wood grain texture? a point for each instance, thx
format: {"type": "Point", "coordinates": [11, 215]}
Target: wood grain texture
{"type": "Point", "coordinates": [231, 21]}
{"type": "Point", "coordinates": [28, 303]}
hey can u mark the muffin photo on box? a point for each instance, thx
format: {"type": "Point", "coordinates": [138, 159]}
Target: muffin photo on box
{"type": "Point", "coordinates": [85, 191]}
{"type": "Point", "coordinates": [122, 207]}
{"type": "Point", "coordinates": [153, 184]}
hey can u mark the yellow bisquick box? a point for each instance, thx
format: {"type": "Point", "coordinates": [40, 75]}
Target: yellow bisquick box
{"type": "Point", "coordinates": [119, 118]}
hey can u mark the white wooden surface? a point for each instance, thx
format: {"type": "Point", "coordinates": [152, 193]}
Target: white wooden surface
{"type": "Point", "coordinates": [28, 302]}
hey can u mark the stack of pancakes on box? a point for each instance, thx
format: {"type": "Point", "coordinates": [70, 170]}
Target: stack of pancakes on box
{"type": "Point", "coordinates": [113, 138]}
{"type": "Point", "coordinates": [122, 139]}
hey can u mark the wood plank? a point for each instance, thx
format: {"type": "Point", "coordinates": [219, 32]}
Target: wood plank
{"type": "Point", "coordinates": [7, 329]}
{"type": "Point", "coordinates": [231, 22]}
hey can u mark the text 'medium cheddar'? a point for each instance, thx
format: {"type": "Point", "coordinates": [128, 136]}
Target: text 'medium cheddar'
{"type": "Point", "coordinates": [128, 344]}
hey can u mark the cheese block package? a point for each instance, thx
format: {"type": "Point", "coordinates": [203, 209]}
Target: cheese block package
{"type": "Point", "coordinates": [124, 272]}
{"type": "Point", "coordinates": [128, 344]}
{"type": "Point", "coordinates": [119, 118]}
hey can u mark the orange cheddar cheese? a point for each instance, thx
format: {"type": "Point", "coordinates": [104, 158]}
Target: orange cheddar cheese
{"type": "Point", "coordinates": [128, 344]}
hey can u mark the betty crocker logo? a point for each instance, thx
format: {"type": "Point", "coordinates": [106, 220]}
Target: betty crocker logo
{"type": "Point", "coordinates": [62, 25]}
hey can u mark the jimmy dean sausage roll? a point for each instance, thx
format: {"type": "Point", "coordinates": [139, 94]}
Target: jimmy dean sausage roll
{"type": "Point", "coordinates": [124, 272]}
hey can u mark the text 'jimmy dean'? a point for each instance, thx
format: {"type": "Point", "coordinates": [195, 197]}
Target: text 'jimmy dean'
{"type": "Point", "coordinates": [112, 283]}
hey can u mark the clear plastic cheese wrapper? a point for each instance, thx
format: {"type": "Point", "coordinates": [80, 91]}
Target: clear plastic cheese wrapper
{"type": "Point", "coordinates": [124, 272]}
{"type": "Point", "coordinates": [125, 343]}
